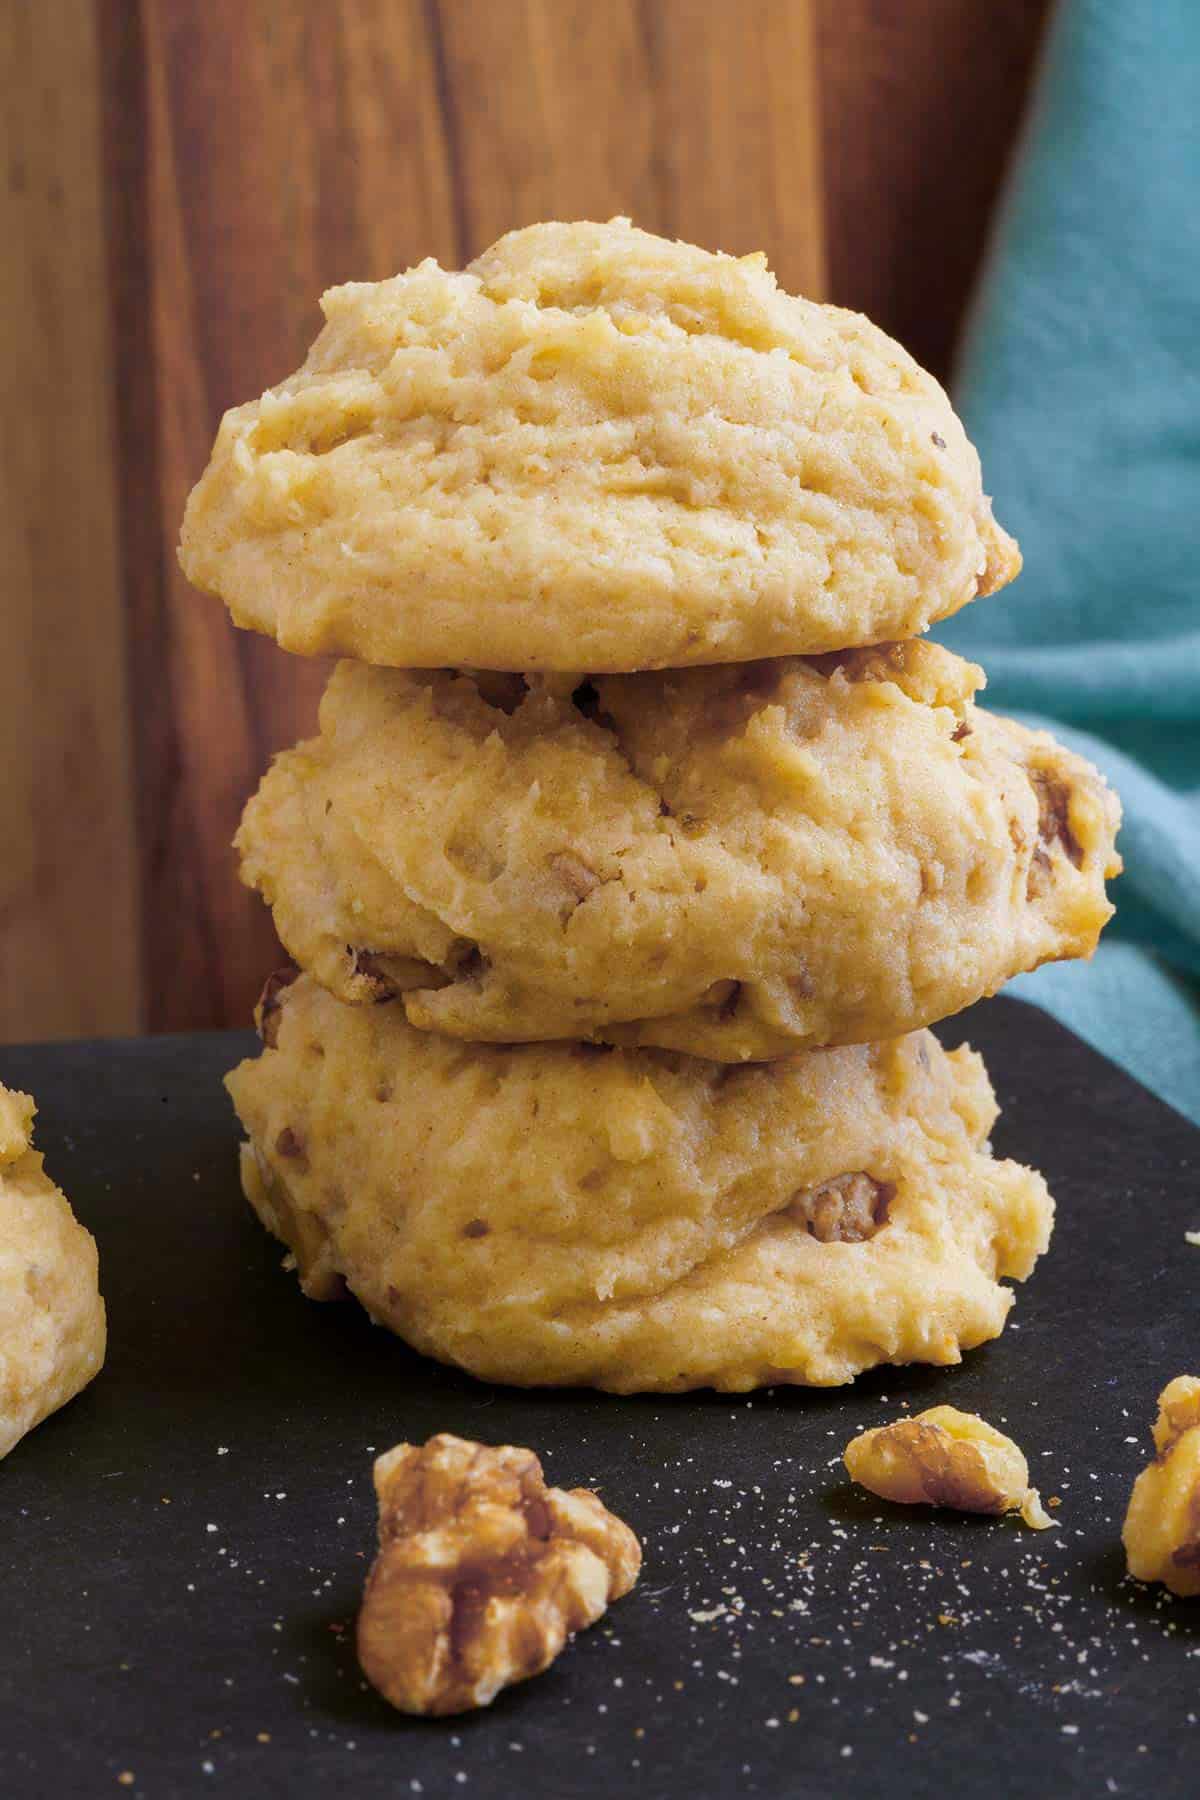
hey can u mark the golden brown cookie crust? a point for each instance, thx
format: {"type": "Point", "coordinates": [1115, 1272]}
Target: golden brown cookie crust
{"type": "Point", "coordinates": [549, 1214]}
{"type": "Point", "coordinates": [594, 448]}
{"type": "Point", "coordinates": [735, 861]}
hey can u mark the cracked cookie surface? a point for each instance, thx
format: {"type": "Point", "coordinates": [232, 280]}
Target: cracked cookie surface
{"type": "Point", "coordinates": [733, 861]}
{"type": "Point", "coordinates": [52, 1325]}
{"type": "Point", "coordinates": [592, 448]}
{"type": "Point", "coordinates": [634, 1219]}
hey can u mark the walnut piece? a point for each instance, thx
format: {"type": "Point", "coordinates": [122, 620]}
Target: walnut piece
{"type": "Point", "coordinates": [270, 1003]}
{"type": "Point", "coordinates": [483, 1572]}
{"type": "Point", "coordinates": [751, 686]}
{"type": "Point", "coordinates": [1162, 1527]}
{"type": "Point", "coordinates": [576, 876]}
{"type": "Point", "coordinates": [847, 1210]}
{"type": "Point", "coordinates": [944, 1457]}
{"type": "Point", "coordinates": [1054, 814]}
{"type": "Point", "coordinates": [723, 996]}
{"type": "Point", "coordinates": [372, 967]}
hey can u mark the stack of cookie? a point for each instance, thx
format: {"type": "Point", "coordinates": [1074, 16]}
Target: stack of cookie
{"type": "Point", "coordinates": [642, 837]}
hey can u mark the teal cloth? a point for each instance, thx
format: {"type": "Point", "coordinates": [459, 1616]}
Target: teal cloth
{"type": "Point", "coordinates": [1080, 383]}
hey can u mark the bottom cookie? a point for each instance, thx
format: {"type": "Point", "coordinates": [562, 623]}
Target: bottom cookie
{"type": "Point", "coordinates": [636, 1220]}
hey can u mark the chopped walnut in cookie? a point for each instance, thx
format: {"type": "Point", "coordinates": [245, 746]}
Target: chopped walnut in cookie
{"type": "Point", "coordinates": [944, 1457]}
{"type": "Point", "coordinates": [1054, 814]}
{"type": "Point", "coordinates": [847, 1210]}
{"type": "Point", "coordinates": [371, 968]}
{"type": "Point", "coordinates": [1162, 1526]}
{"type": "Point", "coordinates": [483, 1572]}
{"type": "Point", "coordinates": [576, 876]}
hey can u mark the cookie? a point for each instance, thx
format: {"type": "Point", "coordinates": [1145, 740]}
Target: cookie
{"type": "Point", "coordinates": [594, 448]}
{"type": "Point", "coordinates": [52, 1325]}
{"type": "Point", "coordinates": [735, 861]}
{"type": "Point", "coordinates": [634, 1219]}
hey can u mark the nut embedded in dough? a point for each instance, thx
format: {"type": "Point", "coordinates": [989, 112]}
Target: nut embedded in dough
{"type": "Point", "coordinates": [1162, 1526]}
{"type": "Point", "coordinates": [483, 1573]}
{"type": "Point", "coordinates": [944, 1457]}
{"type": "Point", "coordinates": [847, 1210]}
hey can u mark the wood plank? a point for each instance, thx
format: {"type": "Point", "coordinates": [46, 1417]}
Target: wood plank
{"type": "Point", "coordinates": [529, 92]}
{"type": "Point", "coordinates": [921, 104]}
{"type": "Point", "coordinates": [738, 148]}
{"type": "Point", "coordinates": [69, 939]}
{"type": "Point", "coordinates": [258, 153]}
{"type": "Point", "coordinates": [698, 120]}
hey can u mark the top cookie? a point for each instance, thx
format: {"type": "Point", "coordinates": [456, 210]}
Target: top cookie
{"type": "Point", "coordinates": [595, 449]}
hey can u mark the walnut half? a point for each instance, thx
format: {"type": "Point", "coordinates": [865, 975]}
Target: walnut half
{"type": "Point", "coordinates": [944, 1457]}
{"type": "Point", "coordinates": [1162, 1527]}
{"type": "Point", "coordinates": [483, 1572]}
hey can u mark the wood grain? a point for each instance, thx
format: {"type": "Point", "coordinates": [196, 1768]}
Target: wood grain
{"type": "Point", "coordinates": [69, 933]}
{"type": "Point", "coordinates": [920, 105]}
{"type": "Point", "coordinates": [737, 150]}
{"type": "Point", "coordinates": [698, 120]}
{"type": "Point", "coordinates": [255, 152]}
{"type": "Point", "coordinates": [259, 153]}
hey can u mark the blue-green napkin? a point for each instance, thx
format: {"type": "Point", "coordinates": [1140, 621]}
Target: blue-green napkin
{"type": "Point", "coordinates": [1080, 383]}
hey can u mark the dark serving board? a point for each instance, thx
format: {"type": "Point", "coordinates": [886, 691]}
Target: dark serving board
{"type": "Point", "coordinates": [182, 1548]}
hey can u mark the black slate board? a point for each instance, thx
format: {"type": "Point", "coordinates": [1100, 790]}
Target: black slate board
{"type": "Point", "coordinates": [183, 1547]}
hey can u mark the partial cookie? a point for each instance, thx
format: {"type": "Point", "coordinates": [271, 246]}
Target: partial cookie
{"type": "Point", "coordinates": [52, 1327]}
{"type": "Point", "coordinates": [1161, 1533]}
{"type": "Point", "coordinates": [593, 449]}
{"type": "Point", "coordinates": [734, 862]}
{"type": "Point", "coordinates": [635, 1219]}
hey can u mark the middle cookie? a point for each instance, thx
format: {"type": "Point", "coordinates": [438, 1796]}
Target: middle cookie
{"type": "Point", "coordinates": [734, 861]}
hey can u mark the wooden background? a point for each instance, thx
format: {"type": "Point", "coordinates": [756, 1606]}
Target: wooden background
{"type": "Point", "coordinates": [184, 177]}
